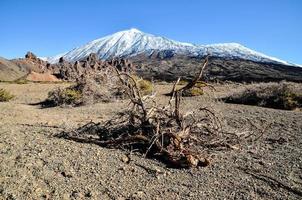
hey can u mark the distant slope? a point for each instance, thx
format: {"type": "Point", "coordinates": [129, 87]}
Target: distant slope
{"type": "Point", "coordinates": [167, 66]}
{"type": "Point", "coordinates": [31, 68]}
{"type": "Point", "coordinates": [10, 71]}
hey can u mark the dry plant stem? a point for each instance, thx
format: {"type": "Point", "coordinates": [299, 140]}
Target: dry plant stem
{"type": "Point", "coordinates": [134, 93]}
{"type": "Point", "coordinates": [197, 78]}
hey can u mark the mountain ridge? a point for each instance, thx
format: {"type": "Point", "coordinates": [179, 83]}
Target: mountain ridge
{"type": "Point", "coordinates": [132, 42]}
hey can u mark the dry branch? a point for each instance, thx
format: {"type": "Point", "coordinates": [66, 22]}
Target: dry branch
{"type": "Point", "coordinates": [197, 78]}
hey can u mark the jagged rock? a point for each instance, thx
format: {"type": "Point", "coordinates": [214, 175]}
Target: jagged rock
{"type": "Point", "coordinates": [92, 57]}
{"type": "Point", "coordinates": [121, 64]}
{"type": "Point", "coordinates": [61, 60]}
{"type": "Point", "coordinates": [31, 56]}
{"type": "Point", "coordinates": [89, 67]}
{"type": "Point", "coordinates": [33, 63]}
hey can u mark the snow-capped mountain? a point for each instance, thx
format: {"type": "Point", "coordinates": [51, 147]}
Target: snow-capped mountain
{"type": "Point", "coordinates": [123, 43]}
{"type": "Point", "coordinates": [132, 42]}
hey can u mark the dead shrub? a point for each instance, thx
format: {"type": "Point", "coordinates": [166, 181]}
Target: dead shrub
{"type": "Point", "coordinates": [181, 140]}
{"type": "Point", "coordinates": [5, 95]}
{"type": "Point", "coordinates": [85, 92]}
{"type": "Point", "coordinates": [102, 87]}
{"type": "Point", "coordinates": [283, 95]}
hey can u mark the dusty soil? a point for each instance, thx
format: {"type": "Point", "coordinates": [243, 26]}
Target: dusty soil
{"type": "Point", "coordinates": [37, 165]}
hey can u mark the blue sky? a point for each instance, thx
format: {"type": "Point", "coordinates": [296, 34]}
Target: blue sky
{"type": "Point", "coordinates": [47, 28]}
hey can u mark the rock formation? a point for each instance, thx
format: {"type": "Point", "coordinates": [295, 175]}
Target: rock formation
{"type": "Point", "coordinates": [35, 64]}
{"type": "Point", "coordinates": [91, 66]}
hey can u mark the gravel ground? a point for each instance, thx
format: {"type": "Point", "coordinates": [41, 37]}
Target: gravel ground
{"type": "Point", "coordinates": [37, 165]}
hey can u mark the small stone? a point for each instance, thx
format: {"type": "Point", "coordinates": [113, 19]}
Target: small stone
{"type": "Point", "coordinates": [77, 195]}
{"type": "Point", "coordinates": [139, 195]}
{"type": "Point", "coordinates": [132, 169]}
{"type": "Point", "coordinates": [66, 196]}
{"type": "Point", "coordinates": [45, 196]}
{"type": "Point", "coordinates": [125, 159]}
{"type": "Point", "coordinates": [158, 171]}
{"type": "Point", "coordinates": [66, 175]}
{"type": "Point", "coordinates": [191, 194]}
{"type": "Point", "coordinates": [88, 194]}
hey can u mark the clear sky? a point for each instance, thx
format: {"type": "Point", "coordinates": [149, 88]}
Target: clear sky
{"type": "Point", "coordinates": [50, 27]}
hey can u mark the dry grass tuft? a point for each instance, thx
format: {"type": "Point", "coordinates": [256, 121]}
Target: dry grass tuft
{"type": "Point", "coordinates": [67, 96]}
{"type": "Point", "coordinates": [21, 81]}
{"type": "Point", "coordinates": [5, 95]}
{"type": "Point", "coordinates": [193, 92]}
{"type": "Point", "coordinates": [283, 95]}
{"type": "Point", "coordinates": [145, 86]}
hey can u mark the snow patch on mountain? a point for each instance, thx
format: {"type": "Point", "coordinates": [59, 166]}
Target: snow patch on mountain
{"type": "Point", "coordinates": [133, 41]}
{"type": "Point", "coordinates": [235, 50]}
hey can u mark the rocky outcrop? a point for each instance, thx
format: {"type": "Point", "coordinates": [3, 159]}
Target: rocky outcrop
{"type": "Point", "coordinates": [91, 66]}
{"type": "Point", "coordinates": [29, 55]}
{"type": "Point", "coordinates": [121, 64]}
{"type": "Point", "coordinates": [33, 63]}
